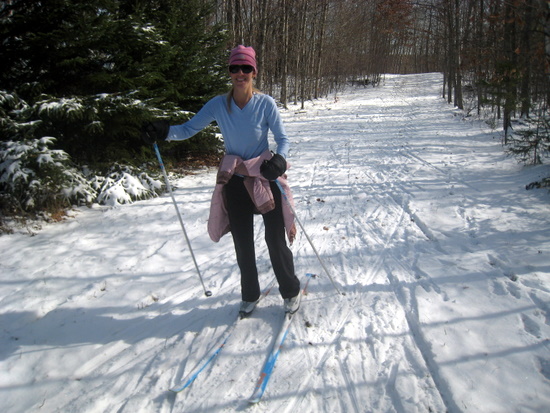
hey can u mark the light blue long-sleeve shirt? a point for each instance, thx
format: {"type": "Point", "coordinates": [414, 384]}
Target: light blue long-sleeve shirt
{"type": "Point", "coordinates": [244, 131]}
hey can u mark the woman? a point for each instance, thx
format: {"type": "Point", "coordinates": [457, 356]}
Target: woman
{"type": "Point", "coordinates": [246, 179]}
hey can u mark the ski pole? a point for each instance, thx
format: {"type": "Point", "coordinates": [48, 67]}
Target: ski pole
{"type": "Point", "coordinates": [208, 293]}
{"type": "Point", "coordinates": [309, 239]}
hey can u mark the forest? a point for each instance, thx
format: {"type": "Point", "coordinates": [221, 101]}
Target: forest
{"type": "Point", "coordinates": [495, 54]}
{"type": "Point", "coordinates": [79, 78]}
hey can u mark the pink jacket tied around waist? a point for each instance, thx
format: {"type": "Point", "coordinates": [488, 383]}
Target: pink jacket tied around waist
{"type": "Point", "coordinates": [258, 189]}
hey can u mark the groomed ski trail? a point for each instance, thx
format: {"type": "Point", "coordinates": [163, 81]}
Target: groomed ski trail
{"type": "Point", "coordinates": [421, 220]}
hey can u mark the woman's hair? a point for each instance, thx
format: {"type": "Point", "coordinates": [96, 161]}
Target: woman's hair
{"type": "Point", "coordinates": [230, 97]}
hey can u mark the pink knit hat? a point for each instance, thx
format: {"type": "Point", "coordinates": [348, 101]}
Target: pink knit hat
{"type": "Point", "coordinates": [242, 55]}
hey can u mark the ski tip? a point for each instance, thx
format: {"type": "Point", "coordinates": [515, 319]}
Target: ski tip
{"type": "Point", "coordinates": [254, 400]}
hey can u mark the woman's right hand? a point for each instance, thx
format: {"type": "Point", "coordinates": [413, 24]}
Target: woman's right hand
{"type": "Point", "coordinates": [155, 131]}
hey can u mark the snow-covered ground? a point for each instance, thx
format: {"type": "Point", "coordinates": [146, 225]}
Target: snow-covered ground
{"type": "Point", "coordinates": [418, 215]}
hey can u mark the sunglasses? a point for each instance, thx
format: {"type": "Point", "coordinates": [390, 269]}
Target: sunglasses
{"type": "Point", "coordinates": [244, 68]}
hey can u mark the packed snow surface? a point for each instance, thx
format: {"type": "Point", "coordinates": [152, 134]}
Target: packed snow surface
{"type": "Point", "coordinates": [422, 222]}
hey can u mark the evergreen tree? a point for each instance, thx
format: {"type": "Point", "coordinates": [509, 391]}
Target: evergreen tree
{"type": "Point", "coordinates": [95, 69]}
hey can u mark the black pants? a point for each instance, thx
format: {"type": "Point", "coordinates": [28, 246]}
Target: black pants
{"type": "Point", "coordinates": [241, 218]}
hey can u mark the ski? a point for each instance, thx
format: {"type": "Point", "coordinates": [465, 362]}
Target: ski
{"type": "Point", "coordinates": [215, 350]}
{"type": "Point", "coordinates": [269, 365]}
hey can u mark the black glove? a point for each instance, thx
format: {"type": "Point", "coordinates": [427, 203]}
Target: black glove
{"type": "Point", "coordinates": [155, 131]}
{"type": "Point", "coordinates": [273, 168]}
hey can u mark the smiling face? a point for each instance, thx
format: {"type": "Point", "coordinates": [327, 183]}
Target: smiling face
{"type": "Point", "coordinates": [242, 81]}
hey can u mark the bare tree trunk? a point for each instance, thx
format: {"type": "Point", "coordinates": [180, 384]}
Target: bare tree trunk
{"type": "Point", "coordinates": [450, 52]}
{"type": "Point", "coordinates": [480, 15]}
{"type": "Point", "coordinates": [303, 62]}
{"type": "Point", "coordinates": [284, 62]}
{"type": "Point", "coordinates": [320, 43]}
{"type": "Point", "coordinates": [459, 103]}
{"type": "Point", "coordinates": [260, 45]}
{"type": "Point", "coordinates": [526, 57]}
{"type": "Point", "coordinates": [509, 87]}
{"type": "Point", "coordinates": [546, 28]}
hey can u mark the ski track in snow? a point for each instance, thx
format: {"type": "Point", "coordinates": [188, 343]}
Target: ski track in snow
{"type": "Point", "coordinates": [421, 220]}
